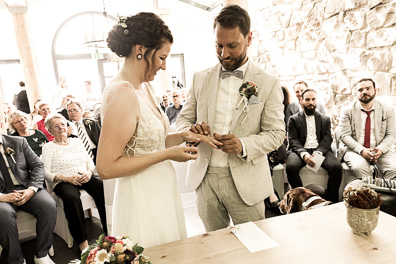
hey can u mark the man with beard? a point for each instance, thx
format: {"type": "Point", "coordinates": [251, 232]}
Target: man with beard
{"type": "Point", "coordinates": [296, 105]}
{"type": "Point", "coordinates": [368, 133]}
{"type": "Point", "coordinates": [310, 131]}
{"type": "Point", "coordinates": [232, 179]}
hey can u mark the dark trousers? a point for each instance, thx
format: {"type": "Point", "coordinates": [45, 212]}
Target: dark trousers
{"type": "Point", "coordinates": [72, 205]}
{"type": "Point", "coordinates": [41, 206]}
{"type": "Point", "coordinates": [331, 164]}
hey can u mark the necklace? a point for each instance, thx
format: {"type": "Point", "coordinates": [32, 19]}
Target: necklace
{"type": "Point", "coordinates": [62, 143]}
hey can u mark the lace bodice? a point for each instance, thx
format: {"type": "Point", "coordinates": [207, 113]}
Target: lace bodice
{"type": "Point", "coordinates": [150, 133]}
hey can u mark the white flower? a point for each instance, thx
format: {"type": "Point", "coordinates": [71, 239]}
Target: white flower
{"type": "Point", "coordinates": [102, 256]}
{"type": "Point", "coordinates": [127, 241]}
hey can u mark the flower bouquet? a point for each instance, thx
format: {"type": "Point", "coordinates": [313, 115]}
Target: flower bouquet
{"type": "Point", "coordinates": [114, 250]}
{"type": "Point", "coordinates": [363, 206]}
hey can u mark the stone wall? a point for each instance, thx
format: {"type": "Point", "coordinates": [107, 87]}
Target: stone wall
{"type": "Point", "coordinates": [330, 44]}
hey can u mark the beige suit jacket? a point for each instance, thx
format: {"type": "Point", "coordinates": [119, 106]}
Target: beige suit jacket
{"type": "Point", "coordinates": [350, 123]}
{"type": "Point", "coordinates": [262, 131]}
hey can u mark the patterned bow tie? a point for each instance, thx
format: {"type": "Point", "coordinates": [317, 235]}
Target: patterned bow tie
{"type": "Point", "coordinates": [237, 73]}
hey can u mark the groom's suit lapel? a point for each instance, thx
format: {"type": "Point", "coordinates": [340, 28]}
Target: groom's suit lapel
{"type": "Point", "coordinates": [212, 88]}
{"type": "Point", "coordinates": [249, 76]}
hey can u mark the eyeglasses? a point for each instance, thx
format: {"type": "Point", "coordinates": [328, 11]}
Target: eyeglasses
{"type": "Point", "coordinates": [19, 122]}
{"type": "Point", "coordinates": [72, 110]}
{"type": "Point", "coordinates": [59, 127]}
{"type": "Point", "coordinates": [175, 96]}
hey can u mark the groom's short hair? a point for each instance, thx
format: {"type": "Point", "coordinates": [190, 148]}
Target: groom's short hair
{"type": "Point", "coordinates": [233, 16]}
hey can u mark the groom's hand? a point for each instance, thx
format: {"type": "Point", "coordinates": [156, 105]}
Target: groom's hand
{"type": "Point", "coordinates": [201, 128]}
{"type": "Point", "coordinates": [231, 144]}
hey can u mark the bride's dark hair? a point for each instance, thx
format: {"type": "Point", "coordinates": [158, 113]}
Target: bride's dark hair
{"type": "Point", "coordinates": [145, 29]}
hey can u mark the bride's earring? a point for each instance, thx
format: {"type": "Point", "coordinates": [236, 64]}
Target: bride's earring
{"type": "Point", "coordinates": [139, 56]}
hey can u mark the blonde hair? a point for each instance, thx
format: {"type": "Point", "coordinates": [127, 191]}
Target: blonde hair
{"type": "Point", "coordinates": [14, 114]}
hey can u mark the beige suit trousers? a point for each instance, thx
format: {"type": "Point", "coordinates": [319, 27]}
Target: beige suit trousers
{"type": "Point", "coordinates": [218, 200]}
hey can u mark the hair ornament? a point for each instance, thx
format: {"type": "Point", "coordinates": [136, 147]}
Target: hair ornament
{"type": "Point", "coordinates": [122, 23]}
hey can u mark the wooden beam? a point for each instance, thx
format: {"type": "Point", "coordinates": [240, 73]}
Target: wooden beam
{"type": "Point", "coordinates": [27, 58]}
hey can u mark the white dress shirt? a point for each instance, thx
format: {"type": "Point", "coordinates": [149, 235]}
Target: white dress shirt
{"type": "Point", "coordinates": [226, 101]}
{"type": "Point", "coordinates": [312, 141]}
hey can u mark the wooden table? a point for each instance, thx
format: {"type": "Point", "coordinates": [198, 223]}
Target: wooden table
{"type": "Point", "coordinates": [316, 236]}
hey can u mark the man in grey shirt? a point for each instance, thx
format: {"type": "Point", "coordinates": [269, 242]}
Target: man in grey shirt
{"type": "Point", "coordinates": [172, 111]}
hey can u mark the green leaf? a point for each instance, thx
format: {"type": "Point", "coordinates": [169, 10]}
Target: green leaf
{"type": "Point", "coordinates": [139, 250]}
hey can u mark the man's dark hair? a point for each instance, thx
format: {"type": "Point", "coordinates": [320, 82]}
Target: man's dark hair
{"type": "Point", "coordinates": [233, 16]}
{"type": "Point", "coordinates": [300, 82]}
{"type": "Point", "coordinates": [365, 80]}
{"type": "Point", "coordinates": [306, 91]}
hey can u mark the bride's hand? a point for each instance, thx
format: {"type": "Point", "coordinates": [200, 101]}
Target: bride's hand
{"type": "Point", "coordinates": [190, 137]}
{"type": "Point", "coordinates": [182, 153]}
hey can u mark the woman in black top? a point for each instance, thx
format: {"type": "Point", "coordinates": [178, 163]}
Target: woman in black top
{"type": "Point", "coordinates": [19, 122]}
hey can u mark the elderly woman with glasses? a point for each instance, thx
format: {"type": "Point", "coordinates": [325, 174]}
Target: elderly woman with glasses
{"type": "Point", "coordinates": [19, 122]}
{"type": "Point", "coordinates": [68, 168]}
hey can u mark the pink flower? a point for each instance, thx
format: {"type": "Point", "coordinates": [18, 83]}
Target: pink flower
{"type": "Point", "coordinates": [110, 239]}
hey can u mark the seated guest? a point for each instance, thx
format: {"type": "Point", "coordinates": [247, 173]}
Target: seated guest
{"type": "Point", "coordinates": [296, 106]}
{"type": "Point", "coordinates": [69, 168]}
{"type": "Point", "coordinates": [310, 131]}
{"type": "Point", "coordinates": [21, 188]}
{"type": "Point", "coordinates": [63, 109]}
{"type": "Point", "coordinates": [19, 122]}
{"type": "Point", "coordinates": [44, 110]}
{"type": "Point", "coordinates": [88, 130]}
{"type": "Point", "coordinates": [164, 102]}
{"type": "Point", "coordinates": [172, 111]}
{"type": "Point", "coordinates": [368, 133]}
{"type": "Point", "coordinates": [34, 115]}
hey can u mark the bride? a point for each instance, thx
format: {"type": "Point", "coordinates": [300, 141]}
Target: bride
{"type": "Point", "coordinates": [134, 146]}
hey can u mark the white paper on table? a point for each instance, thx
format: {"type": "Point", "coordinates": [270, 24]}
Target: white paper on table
{"type": "Point", "coordinates": [318, 160]}
{"type": "Point", "coordinates": [252, 237]}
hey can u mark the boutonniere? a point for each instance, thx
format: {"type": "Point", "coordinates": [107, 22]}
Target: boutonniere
{"type": "Point", "coordinates": [88, 122]}
{"type": "Point", "coordinates": [248, 92]}
{"type": "Point", "coordinates": [11, 152]}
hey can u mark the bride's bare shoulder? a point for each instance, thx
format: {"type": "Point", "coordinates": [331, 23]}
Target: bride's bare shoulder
{"type": "Point", "coordinates": [120, 90]}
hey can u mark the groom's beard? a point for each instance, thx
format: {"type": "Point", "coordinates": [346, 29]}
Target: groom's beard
{"type": "Point", "coordinates": [233, 63]}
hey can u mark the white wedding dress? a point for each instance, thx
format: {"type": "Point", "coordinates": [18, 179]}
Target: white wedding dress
{"type": "Point", "coordinates": [147, 206]}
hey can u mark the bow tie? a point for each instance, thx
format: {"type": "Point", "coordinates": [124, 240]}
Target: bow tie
{"type": "Point", "coordinates": [237, 73]}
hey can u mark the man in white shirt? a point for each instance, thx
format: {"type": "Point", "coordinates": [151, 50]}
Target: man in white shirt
{"type": "Point", "coordinates": [368, 133]}
{"type": "Point", "coordinates": [310, 131]}
{"type": "Point", "coordinates": [233, 179]}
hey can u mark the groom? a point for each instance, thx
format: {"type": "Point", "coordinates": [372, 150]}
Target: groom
{"type": "Point", "coordinates": [234, 179]}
